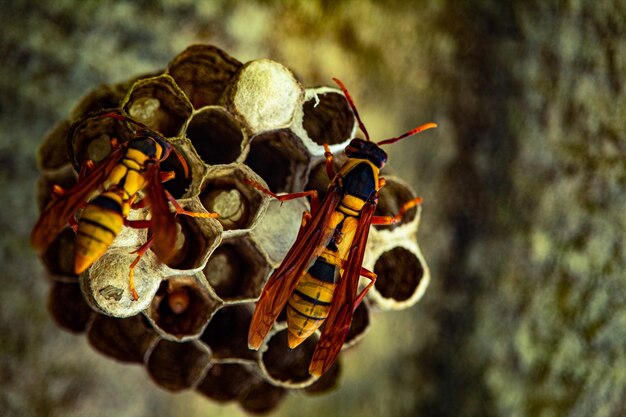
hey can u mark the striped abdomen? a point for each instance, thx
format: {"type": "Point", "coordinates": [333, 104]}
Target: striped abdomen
{"type": "Point", "coordinates": [310, 302]}
{"type": "Point", "coordinates": [100, 222]}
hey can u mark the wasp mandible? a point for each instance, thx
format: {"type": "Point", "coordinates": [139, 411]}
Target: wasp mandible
{"type": "Point", "coordinates": [318, 279]}
{"type": "Point", "coordinates": [97, 207]}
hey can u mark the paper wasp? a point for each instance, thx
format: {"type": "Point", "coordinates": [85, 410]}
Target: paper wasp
{"type": "Point", "coordinates": [318, 279]}
{"type": "Point", "coordinates": [98, 205]}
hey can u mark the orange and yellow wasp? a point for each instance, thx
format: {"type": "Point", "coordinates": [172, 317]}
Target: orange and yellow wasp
{"type": "Point", "coordinates": [104, 195]}
{"type": "Point", "coordinates": [318, 279]}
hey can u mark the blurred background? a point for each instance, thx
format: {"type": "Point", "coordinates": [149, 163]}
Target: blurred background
{"type": "Point", "coordinates": [523, 184]}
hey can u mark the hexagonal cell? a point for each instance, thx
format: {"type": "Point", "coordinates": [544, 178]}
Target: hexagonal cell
{"type": "Point", "coordinates": [159, 103]}
{"type": "Point", "coordinates": [106, 283]}
{"type": "Point", "coordinates": [215, 135]}
{"type": "Point", "coordinates": [203, 73]}
{"type": "Point", "coordinates": [286, 367]}
{"type": "Point", "coordinates": [278, 229]}
{"type": "Point", "coordinates": [325, 118]}
{"type": "Point", "coordinates": [102, 97]}
{"type": "Point", "coordinates": [52, 153]}
{"type": "Point", "coordinates": [359, 326]}
{"type": "Point", "coordinates": [228, 381]}
{"type": "Point", "coordinates": [225, 191]}
{"type": "Point", "coordinates": [90, 138]}
{"type": "Point", "coordinates": [68, 307]}
{"type": "Point", "coordinates": [197, 238]}
{"type": "Point", "coordinates": [105, 96]}
{"type": "Point", "coordinates": [126, 340]}
{"type": "Point", "coordinates": [178, 366]}
{"type": "Point", "coordinates": [403, 276]}
{"type": "Point", "coordinates": [237, 270]}
{"type": "Point", "coordinates": [391, 197]}
{"type": "Point", "coordinates": [262, 398]}
{"type": "Point", "coordinates": [329, 381]}
{"type": "Point", "coordinates": [280, 159]}
{"type": "Point", "coordinates": [227, 332]}
{"type": "Point", "coordinates": [182, 307]}
{"type": "Point", "coordinates": [264, 95]}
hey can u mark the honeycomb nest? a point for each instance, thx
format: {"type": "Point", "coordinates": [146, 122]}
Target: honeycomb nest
{"type": "Point", "coordinates": [189, 327]}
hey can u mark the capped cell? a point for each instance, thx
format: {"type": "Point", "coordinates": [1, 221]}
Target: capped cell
{"type": "Point", "coordinates": [264, 95]}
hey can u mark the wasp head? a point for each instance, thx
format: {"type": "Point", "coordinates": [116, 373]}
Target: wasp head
{"type": "Point", "coordinates": [151, 144]}
{"type": "Point", "coordinates": [359, 148]}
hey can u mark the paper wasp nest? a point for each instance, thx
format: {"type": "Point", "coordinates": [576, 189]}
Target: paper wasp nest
{"type": "Point", "coordinates": [189, 327]}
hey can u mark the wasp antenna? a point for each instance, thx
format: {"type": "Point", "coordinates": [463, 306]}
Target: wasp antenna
{"type": "Point", "coordinates": [352, 106]}
{"type": "Point", "coordinates": [409, 133]}
{"type": "Point", "coordinates": [125, 118]}
{"type": "Point", "coordinates": [183, 161]}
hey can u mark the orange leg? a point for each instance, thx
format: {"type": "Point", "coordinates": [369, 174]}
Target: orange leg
{"type": "Point", "coordinates": [380, 220]}
{"type": "Point", "coordinates": [86, 169]}
{"type": "Point", "coordinates": [166, 176]}
{"type": "Point", "coordinates": [287, 197]}
{"type": "Point", "coordinates": [179, 210]}
{"type": "Point", "coordinates": [140, 253]}
{"type": "Point", "coordinates": [372, 277]}
{"type": "Point", "coordinates": [330, 169]}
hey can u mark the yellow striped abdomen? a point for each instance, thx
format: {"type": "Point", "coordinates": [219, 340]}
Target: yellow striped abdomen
{"type": "Point", "coordinates": [310, 302]}
{"type": "Point", "coordinates": [100, 222]}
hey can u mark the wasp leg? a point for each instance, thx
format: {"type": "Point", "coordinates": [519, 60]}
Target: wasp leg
{"type": "Point", "coordinates": [179, 210]}
{"type": "Point", "coordinates": [86, 169]}
{"type": "Point", "coordinates": [372, 277]}
{"type": "Point", "coordinates": [287, 197]}
{"type": "Point", "coordinates": [330, 169]}
{"type": "Point", "coordinates": [385, 220]}
{"type": "Point", "coordinates": [381, 182]}
{"type": "Point", "coordinates": [166, 176]}
{"type": "Point", "coordinates": [140, 253]}
{"type": "Point", "coordinates": [138, 224]}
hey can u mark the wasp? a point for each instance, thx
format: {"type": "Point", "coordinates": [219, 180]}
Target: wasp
{"type": "Point", "coordinates": [318, 280]}
{"type": "Point", "coordinates": [98, 205]}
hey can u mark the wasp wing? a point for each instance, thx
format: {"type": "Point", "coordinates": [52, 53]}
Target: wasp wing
{"type": "Point", "coordinates": [311, 241]}
{"type": "Point", "coordinates": [339, 318]}
{"type": "Point", "coordinates": [60, 211]}
{"type": "Point", "coordinates": [163, 221]}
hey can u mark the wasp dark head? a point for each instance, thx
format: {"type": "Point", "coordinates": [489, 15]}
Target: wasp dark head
{"type": "Point", "coordinates": [151, 143]}
{"type": "Point", "coordinates": [359, 148]}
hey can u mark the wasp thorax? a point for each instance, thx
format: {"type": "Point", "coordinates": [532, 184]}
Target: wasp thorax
{"type": "Point", "coordinates": [231, 128]}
